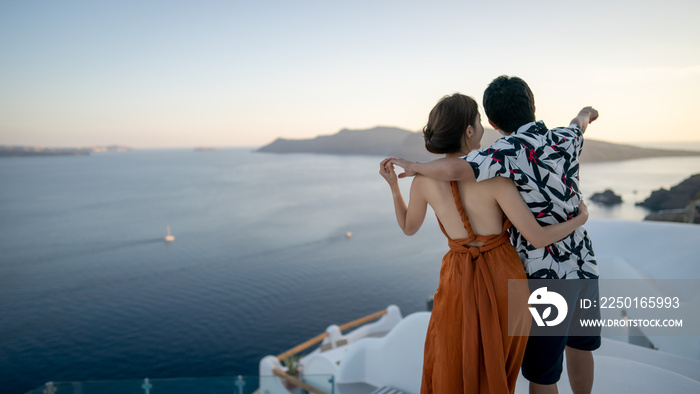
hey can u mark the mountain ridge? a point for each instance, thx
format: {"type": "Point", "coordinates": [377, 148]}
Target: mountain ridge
{"type": "Point", "coordinates": [391, 141]}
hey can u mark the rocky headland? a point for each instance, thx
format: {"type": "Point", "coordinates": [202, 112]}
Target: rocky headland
{"type": "Point", "coordinates": [392, 141]}
{"type": "Point", "coordinates": [681, 203]}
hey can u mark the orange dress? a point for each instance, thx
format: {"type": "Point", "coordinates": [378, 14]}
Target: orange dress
{"type": "Point", "coordinates": [467, 347]}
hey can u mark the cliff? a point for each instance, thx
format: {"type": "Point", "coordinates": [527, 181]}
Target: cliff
{"type": "Point", "coordinates": [599, 151]}
{"type": "Point", "coordinates": [678, 197]}
{"type": "Point", "coordinates": [392, 141]}
{"type": "Point", "coordinates": [380, 141]}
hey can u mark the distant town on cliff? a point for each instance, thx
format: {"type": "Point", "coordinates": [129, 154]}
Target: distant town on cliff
{"type": "Point", "coordinates": [22, 151]}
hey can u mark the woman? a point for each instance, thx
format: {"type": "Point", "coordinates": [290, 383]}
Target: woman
{"type": "Point", "coordinates": [467, 347]}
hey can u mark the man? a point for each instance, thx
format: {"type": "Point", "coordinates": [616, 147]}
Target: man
{"type": "Point", "coordinates": [544, 165]}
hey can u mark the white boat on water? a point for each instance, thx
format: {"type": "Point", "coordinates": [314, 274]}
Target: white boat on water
{"type": "Point", "coordinates": [169, 237]}
{"type": "Point", "coordinates": [386, 355]}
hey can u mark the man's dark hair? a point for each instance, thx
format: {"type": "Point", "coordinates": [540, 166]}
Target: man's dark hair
{"type": "Point", "coordinates": [509, 103]}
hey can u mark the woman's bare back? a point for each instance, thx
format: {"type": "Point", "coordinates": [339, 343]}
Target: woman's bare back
{"type": "Point", "coordinates": [485, 216]}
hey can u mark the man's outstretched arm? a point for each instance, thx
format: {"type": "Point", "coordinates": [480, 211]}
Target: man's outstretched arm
{"type": "Point", "coordinates": [584, 117]}
{"type": "Point", "coordinates": [445, 169]}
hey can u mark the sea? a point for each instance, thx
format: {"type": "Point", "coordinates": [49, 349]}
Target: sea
{"type": "Point", "coordinates": [269, 250]}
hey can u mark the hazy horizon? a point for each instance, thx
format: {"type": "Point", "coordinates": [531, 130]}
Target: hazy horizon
{"type": "Point", "coordinates": [231, 73]}
{"type": "Point", "coordinates": [693, 145]}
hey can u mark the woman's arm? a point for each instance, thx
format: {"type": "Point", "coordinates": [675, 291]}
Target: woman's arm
{"type": "Point", "coordinates": [512, 204]}
{"type": "Point", "coordinates": [410, 217]}
{"type": "Point", "coordinates": [445, 169]}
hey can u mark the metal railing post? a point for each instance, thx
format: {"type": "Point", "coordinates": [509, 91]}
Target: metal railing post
{"type": "Point", "coordinates": [240, 383]}
{"type": "Point", "coordinates": [146, 386]}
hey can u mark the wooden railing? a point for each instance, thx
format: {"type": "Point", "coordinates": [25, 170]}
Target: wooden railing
{"type": "Point", "coordinates": [297, 382]}
{"type": "Point", "coordinates": [318, 338]}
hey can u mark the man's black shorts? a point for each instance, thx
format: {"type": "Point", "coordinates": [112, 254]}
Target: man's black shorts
{"type": "Point", "coordinates": [544, 355]}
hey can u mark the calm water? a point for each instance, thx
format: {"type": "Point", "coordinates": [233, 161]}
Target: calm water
{"type": "Point", "coordinates": [89, 290]}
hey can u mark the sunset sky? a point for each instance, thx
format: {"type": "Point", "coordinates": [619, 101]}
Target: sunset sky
{"type": "Point", "coordinates": [152, 74]}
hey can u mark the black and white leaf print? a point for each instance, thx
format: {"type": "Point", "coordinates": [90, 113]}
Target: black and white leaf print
{"type": "Point", "coordinates": [544, 165]}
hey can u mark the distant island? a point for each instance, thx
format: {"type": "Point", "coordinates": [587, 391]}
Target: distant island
{"type": "Point", "coordinates": [31, 151]}
{"type": "Point", "coordinates": [607, 198]}
{"type": "Point", "coordinates": [377, 141]}
{"type": "Point", "coordinates": [392, 141]}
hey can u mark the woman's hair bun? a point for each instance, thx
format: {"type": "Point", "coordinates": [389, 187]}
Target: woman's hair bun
{"type": "Point", "coordinates": [447, 123]}
{"type": "Point", "coordinates": [427, 133]}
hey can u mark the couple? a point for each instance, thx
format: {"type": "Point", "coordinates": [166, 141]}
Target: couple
{"type": "Point", "coordinates": [531, 177]}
